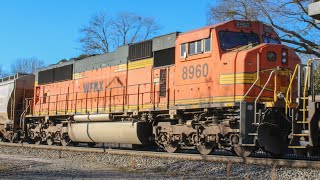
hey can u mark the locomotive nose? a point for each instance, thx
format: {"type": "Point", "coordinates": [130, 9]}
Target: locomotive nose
{"type": "Point", "coordinates": [279, 55]}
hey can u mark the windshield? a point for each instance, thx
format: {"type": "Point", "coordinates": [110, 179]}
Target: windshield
{"type": "Point", "coordinates": [270, 40]}
{"type": "Point", "coordinates": [229, 39]}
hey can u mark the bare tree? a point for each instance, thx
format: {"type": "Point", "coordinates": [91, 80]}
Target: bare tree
{"type": "Point", "coordinates": [233, 9]}
{"type": "Point", "coordinates": [289, 18]}
{"type": "Point", "coordinates": [94, 38]}
{"type": "Point", "coordinates": [26, 65]}
{"type": "Point", "coordinates": [104, 34]}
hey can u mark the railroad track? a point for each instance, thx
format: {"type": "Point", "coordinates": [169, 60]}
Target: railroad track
{"type": "Point", "coordinates": [180, 156]}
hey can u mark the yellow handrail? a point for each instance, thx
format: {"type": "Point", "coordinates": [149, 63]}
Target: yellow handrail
{"type": "Point", "coordinates": [287, 99]}
{"type": "Point", "coordinates": [275, 98]}
{"type": "Point", "coordinates": [305, 91]}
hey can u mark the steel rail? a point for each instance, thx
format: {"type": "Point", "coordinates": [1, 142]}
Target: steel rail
{"type": "Point", "coordinates": [179, 156]}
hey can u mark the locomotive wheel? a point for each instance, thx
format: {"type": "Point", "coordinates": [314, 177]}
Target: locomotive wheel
{"type": "Point", "coordinates": [15, 137]}
{"type": "Point", "coordinates": [242, 151]}
{"type": "Point", "coordinates": [172, 147]}
{"type": "Point", "coordinates": [205, 149]}
{"type": "Point", "coordinates": [314, 151]}
{"type": "Point", "coordinates": [50, 141]}
{"type": "Point", "coordinates": [10, 137]}
{"type": "Point", "coordinates": [20, 141]}
{"type": "Point", "coordinates": [12, 140]}
{"type": "Point", "coordinates": [37, 140]}
{"type": "Point", "coordinates": [65, 141]}
{"type": "Point", "coordinates": [75, 143]}
{"type": "Point", "coordinates": [5, 139]}
{"type": "Point", "coordinates": [91, 144]}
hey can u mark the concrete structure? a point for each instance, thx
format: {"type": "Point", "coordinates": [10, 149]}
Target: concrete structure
{"type": "Point", "coordinates": [314, 10]}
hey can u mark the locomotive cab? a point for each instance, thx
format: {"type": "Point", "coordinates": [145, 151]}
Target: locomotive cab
{"type": "Point", "coordinates": [246, 66]}
{"type": "Point", "coordinates": [262, 71]}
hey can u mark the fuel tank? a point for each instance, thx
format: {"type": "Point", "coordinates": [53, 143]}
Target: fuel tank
{"type": "Point", "coordinates": [111, 132]}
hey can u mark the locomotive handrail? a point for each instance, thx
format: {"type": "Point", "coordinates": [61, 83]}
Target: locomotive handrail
{"type": "Point", "coordinates": [304, 102]}
{"type": "Point", "coordinates": [258, 97]}
{"type": "Point", "coordinates": [264, 87]}
{"type": "Point", "coordinates": [103, 89]}
{"type": "Point", "coordinates": [288, 101]}
{"type": "Point", "coordinates": [257, 79]}
{"type": "Point", "coordinates": [66, 105]}
{"type": "Point", "coordinates": [305, 87]}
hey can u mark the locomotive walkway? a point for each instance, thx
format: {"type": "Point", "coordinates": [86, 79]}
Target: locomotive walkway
{"type": "Point", "coordinates": [180, 156]}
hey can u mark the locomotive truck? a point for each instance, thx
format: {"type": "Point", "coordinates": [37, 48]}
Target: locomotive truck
{"type": "Point", "coordinates": [230, 86]}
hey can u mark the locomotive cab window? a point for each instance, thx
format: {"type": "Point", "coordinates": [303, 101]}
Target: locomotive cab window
{"type": "Point", "coordinates": [267, 39]}
{"type": "Point", "coordinates": [192, 48]}
{"type": "Point", "coordinates": [182, 50]}
{"type": "Point", "coordinates": [199, 47]}
{"type": "Point", "coordinates": [207, 44]}
{"type": "Point", "coordinates": [195, 47]}
{"type": "Point", "coordinates": [230, 39]}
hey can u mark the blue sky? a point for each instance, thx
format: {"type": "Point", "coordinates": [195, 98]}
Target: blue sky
{"type": "Point", "coordinates": [49, 29]}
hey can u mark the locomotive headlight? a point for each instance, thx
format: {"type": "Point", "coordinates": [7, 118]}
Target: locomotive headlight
{"type": "Point", "coordinates": [284, 56]}
{"type": "Point", "coordinates": [271, 56]}
{"type": "Point", "coordinates": [284, 53]}
{"type": "Point", "coordinates": [284, 60]}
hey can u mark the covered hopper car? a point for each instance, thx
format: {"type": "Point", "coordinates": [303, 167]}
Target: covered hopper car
{"type": "Point", "coordinates": [230, 86]}
{"type": "Point", "coordinates": [13, 91]}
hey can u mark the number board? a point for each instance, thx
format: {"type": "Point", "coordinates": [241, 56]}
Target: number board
{"type": "Point", "coordinates": [197, 71]}
{"type": "Point", "coordinates": [240, 24]}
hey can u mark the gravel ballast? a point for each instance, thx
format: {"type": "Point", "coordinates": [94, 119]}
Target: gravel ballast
{"type": "Point", "coordinates": [33, 163]}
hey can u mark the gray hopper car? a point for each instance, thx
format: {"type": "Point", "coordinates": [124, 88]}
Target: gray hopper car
{"type": "Point", "coordinates": [13, 91]}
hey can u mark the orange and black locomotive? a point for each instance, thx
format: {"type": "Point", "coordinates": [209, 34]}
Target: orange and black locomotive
{"type": "Point", "coordinates": [227, 86]}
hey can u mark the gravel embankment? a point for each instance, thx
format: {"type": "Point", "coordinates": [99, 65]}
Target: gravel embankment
{"type": "Point", "coordinates": [29, 163]}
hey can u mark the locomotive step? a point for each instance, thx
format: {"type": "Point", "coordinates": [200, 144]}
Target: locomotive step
{"type": "Point", "coordinates": [302, 122]}
{"type": "Point", "coordinates": [255, 124]}
{"type": "Point", "coordinates": [300, 135]}
{"type": "Point", "coordinates": [297, 147]}
{"type": "Point", "coordinates": [253, 134]}
{"type": "Point", "coordinates": [251, 145]}
{"type": "Point", "coordinates": [303, 98]}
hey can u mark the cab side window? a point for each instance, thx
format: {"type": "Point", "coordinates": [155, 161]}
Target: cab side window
{"type": "Point", "coordinates": [196, 47]}
{"type": "Point", "coordinates": [192, 48]}
{"type": "Point", "coordinates": [182, 49]}
{"type": "Point", "coordinates": [207, 44]}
